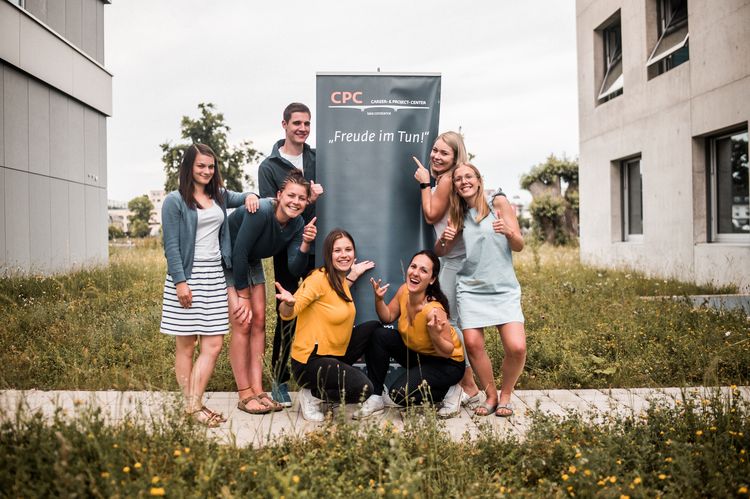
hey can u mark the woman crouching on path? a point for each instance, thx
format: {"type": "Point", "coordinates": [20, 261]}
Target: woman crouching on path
{"type": "Point", "coordinates": [425, 342]}
{"type": "Point", "coordinates": [487, 291]}
{"type": "Point", "coordinates": [325, 343]}
{"type": "Point", "coordinates": [277, 225]}
{"type": "Point", "coordinates": [196, 243]}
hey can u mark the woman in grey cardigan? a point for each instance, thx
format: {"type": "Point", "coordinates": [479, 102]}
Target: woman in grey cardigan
{"type": "Point", "coordinates": [197, 246]}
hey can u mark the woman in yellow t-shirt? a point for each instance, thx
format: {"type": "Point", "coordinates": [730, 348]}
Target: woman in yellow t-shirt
{"type": "Point", "coordinates": [425, 342]}
{"type": "Point", "coordinates": [325, 342]}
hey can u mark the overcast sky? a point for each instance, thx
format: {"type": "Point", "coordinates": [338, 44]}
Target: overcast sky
{"type": "Point", "coordinates": [508, 72]}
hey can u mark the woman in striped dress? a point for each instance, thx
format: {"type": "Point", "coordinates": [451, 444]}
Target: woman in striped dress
{"type": "Point", "coordinates": [197, 246]}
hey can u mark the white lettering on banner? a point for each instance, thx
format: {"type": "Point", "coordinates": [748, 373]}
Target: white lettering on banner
{"type": "Point", "coordinates": [380, 136]}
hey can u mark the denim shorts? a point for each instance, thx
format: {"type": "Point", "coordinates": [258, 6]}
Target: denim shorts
{"type": "Point", "coordinates": [255, 275]}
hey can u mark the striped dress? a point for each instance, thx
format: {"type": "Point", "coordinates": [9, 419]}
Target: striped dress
{"type": "Point", "coordinates": [208, 314]}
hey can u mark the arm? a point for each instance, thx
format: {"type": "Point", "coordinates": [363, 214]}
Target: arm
{"type": "Point", "coordinates": [298, 248]}
{"type": "Point", "coordinates": [308, 292]}
{"type": "Point", "coordinates": [237, 199]}
{"type": "Point", "coordinates": [251, 228]}
{"type": "Point", "coordinates": [506, 223]}
{"type": "Point", "coordinates": [440, 332]}
{"type": "Point", "coordinates": [390, 312]}
{"type": "Point", "coordinates": [266, 181]}
{"type": "Point", "coordinates": [358, 269]}
{"type": "Point", "coordinates": [434, 204]}
{"type": "Point", "coordinates": [171, 216]}
{"type": "Point", "coordinates": [446, 241]}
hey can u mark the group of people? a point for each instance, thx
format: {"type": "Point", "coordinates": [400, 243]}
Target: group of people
{"type": "Point", "coordinates": [433, 326]}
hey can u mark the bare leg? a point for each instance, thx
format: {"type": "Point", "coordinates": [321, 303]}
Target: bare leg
{"type": "Point", "coordinates": [183, 363]}
{"type": "Point", "coordinates": [239, 353]}
{"type": "Point", "coordinates": [479, 359]}
{"type": "Point", "coordinates": [513, 336]}
{"type": "Point", "coordinates": [468, 384]}
{"type": "Point", "coordinates": [202, 370]}
{"type": "Point", "coordinates": [257, 337]}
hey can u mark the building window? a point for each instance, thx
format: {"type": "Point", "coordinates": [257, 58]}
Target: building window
{"type": "Point", "coordinates": [612, 81]}
{"type": "Point", "coordinates": [671, 47]}
{"type": "Point", "coordinates": [632, 199]}
{"type": "Point", "coordinates": [730, 189]}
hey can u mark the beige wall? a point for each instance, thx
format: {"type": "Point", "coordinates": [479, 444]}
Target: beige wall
{"type": "Point", "coordinates": [664, 120]}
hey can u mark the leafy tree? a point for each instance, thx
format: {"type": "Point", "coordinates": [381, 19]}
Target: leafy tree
{"type": "Point", "coordinates": [555, 213]}
{"type": "Point", "coordinates": [141, 208]}
{"type": "Point", "coordinates": [115, 232]}
{"type": "Point", "coordinates": [210, 129]}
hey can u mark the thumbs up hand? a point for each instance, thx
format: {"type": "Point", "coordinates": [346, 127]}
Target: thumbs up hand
{"type": "Point", "coordinates": [310, 231]}
{"type": "Point", "coordinates": [500, 226]}
{"type": "Point", "coordinates": [316, 190]}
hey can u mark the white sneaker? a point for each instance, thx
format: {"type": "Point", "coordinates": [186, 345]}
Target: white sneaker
{"type": "Point", "coordinates": [467, 401]}
{"type": "Point", "coordinates": [373, 405]}
{"type": "Point", "coordinates": [452, 402]}
{"type": "Point", "coordinates": [309, 406]}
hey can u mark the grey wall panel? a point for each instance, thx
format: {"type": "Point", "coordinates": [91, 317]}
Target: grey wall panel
{"type": "Point", "coordinates": [88, 26]}
{"type": "Point", "coordinates": [16, 194]}
{"type": "Point", "coordinates": [16, 119]}
{"type": "Point", "coordinates": [2, 116]}
{"type": "Point", "coordinates": [99, 32]}
{"type": "Point", "coordinates": [76, 141]}
{"type": "Point", "coordinates": [59, 225]}
{"type": "Point", "coordinates": [56, 15]}
{"type": "Point", "coordinates": [3, 261]}
{"type": "Point", "coordinates": [102, 151]}
{"type": "Point", "coordinates": [39, 223]}
{"type": "Point", "coordinates": [104, 221]}
{"type": "Point", "coordinates": [77, 225]}
{"type": "Point", "coordinates": [58, 136]}
{"type": "Point", "coordinates": [91, 146]}
{"type": "Point", "coordinates": [39, 127]}
{"type": "Point", "coordinates": [73, 21]}
{"type": "Point", "coordinates": [93, 226]}
{"type": "Point", "coordinates": [38, 8]}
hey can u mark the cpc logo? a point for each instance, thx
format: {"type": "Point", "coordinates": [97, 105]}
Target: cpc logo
{"type": "Point", "coordinates": [346, 97]}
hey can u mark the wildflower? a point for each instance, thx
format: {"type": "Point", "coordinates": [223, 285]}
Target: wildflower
{"type": "Point", "coordinates": [587, 472]}
{"type": "Point", "coordinates": [623, 496]}
{"type": "Point", "coordinates": [619, 461]}
{"type": "Point", "coordinates": [186, 450]}
{"type": "Point", "coordinates": [699, 433]}
{"type": "Point", "coordinates": [115, 446]}
{"type": "Point", "coordinates": [105, 474]}
{"type": "Point", "coordinates": [137, 466]}
{"type": "Point", "coordinates": [733, 387]}
{"type": "Point", "coordinates": [742, 451]}
{"type": "Point", "coordinates": [155, 479]}
{"type": "Point", "coordinates": [372, 483]}
{"type": "Point", "coordinates": [144, 449]}
{"type": "Point", "coordinates": [667, 459]}
{"type": "Point", "coordinates": [601, 483]}
{"type": "Point", "coordinates": [243, 468]}
{"type": "Point", "coordinates": [565, 477]}
{"type": "Point", "coordinates": [295, 479]}
{"type": "Point", "coordinates": [157, 491]}
{"type": "Point", "coordinates": [742, 490]}
{"type": "Point", "coordinates": [255, 473]}
{"type": "Point", "coordinates": [713, 428]}
{"type": "Point", "coordinates": [381, 491]}
{"type": "Point", "coordinates": [637, 480]}
{"type": "Point", "coordinates": [126, 469]}
{"type": "Point", "coordinates": [578, 454]}
{"type": "Point", "coordinates": [177, 453]}
{"type": "Point", "coordinates": [662, 476]}
{"type": "Point", "coordinates": [612, 479]}
{"type": "Point", "coordinates": [572, 469]}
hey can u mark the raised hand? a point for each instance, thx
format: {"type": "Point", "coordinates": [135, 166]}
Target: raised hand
{"type": "Point", "coordinates": [283, 295]}
{"type": "Point", "coordinates": [500, 227]}
{"type": "Point", "coordinates": [310, 231]}
{"type": "Point", "coordinates": [433, 322]}
{"type": "Point", "coordinates": [422, 174]}
{"type": "Point", "coordinates": [378, 289]}
{"type": "Point", "coordinates": [316, 190]}
{"type": "Point", "coordinates": [449, 234]}
{"type": "Point", "coordinates": [360, 268]}
{"type": "Point", "coordinates": [252, 203]}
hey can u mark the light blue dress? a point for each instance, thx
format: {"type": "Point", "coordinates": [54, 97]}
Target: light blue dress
{"type": "Point", "coordinates": [488, 292]}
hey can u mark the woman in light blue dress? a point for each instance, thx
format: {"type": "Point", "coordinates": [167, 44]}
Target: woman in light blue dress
{"type": "Point", "coordinates": [488, 293]}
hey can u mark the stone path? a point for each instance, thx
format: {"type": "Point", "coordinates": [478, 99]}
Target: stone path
{"type": "Point", "coordinates": [244, 429]}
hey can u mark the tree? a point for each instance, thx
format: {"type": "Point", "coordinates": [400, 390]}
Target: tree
{"type": "Point", "coordinates": [115, 232]}
{"type": "Point", "coordinates": [141, 208]}
{"type": "Point", "coordinates": [555, 213]}
{"type": "Point", "coordinates": [210, 129]}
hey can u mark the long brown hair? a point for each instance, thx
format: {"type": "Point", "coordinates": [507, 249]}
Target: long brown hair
{"type": "Point", "coordinates": [186, 182]}
{"type": "Point", "coordinates": [458, 205]}
{"type": "Point", "coordinates": [433, 291]}
{"type": "Point", "coordinates": [330, 270]}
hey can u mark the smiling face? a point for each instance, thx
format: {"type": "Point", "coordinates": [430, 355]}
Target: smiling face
{"type": "Point", "coordinates": [297, 129]}
{"type": "Point", "coordinates": [342, 255]}
{"type": "Point", "coordinates": [419, 275]}
{"type": "Point", "coordinates": [466, 183]}
{"type": "Point", "coordinates": [442, 157]}
{"type": "Point", "coordinates": [291, 202]}
{"type": "Point", "coordinates": [204, 167]}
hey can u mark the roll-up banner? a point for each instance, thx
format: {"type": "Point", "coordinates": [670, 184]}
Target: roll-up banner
{"type": "Point", "coordinates": [369, 125]}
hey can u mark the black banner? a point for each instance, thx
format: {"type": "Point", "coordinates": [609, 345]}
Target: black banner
{"type": "Point", "coordinates": [368, 128]}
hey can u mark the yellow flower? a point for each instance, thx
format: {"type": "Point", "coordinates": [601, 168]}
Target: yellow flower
{"type": "Point", "coordinates": [137, 466]}
{"type": "Point", "coordinates": [572, 469]}
{"type": "Point", "coordinates": [187, 450]}
{"type": "Point", "coordinates": [742, 451]}
{"type": "Point", "coordinates": [155, 479]}
{"type": "Point", "coordinates": [295, 479]}
{"type": "Point", "coordinates": [381, 491]}
{"type": "Point", "coordinates": [619, 461]}
{"type": "Point", "coordinates": [115, 446]}
{"type": "Point", "coordinates": [601, 482]}
{"type": "Point", "coordinates": [565, 477]}
{"type": "Point", "coordinates": [157, 491]}
{"type": "Point", "coordinates": [667, 459]}
{"type": "Point", "coordinates": [105, 474]}
{"type": "Point", "coordinates": [699, 433]}
{"type": "Point", "coordinates": [578, 454]}
{"type": "Point", "coordinates": [372, 482]}
{"type": "Point", "coordinates": [177, 453]}
{"type": "Point", "coordinates": [662, 476]}
{"type": "Point", "coordinates": [742, 490]}
{"type": "Point", "coordinates": [637, 480]}
{"type": "Point", "coordinates": [126, 469]}
{"type": "Point", "coordinates": [713, 428]}
{"type": "Point", "coordinates": [243, 468]}
{"type": "Point", "coordinates": [144, 449]}
{"type": "Point", "coordinates": [587, 472]}
{"type": "Point", "coordinates": [623, 496]}
{"type": "Point", "coordinates": [612, 479]}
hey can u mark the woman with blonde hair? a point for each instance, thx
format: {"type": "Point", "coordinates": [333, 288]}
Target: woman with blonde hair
{"type": "Point", "coordinates": [447, 151]}
{"type": "Point", "coordinates": [488, 292]}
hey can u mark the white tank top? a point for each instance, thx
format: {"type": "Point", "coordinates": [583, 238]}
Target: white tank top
{"type": "Point", "coordinates": [207, 233]}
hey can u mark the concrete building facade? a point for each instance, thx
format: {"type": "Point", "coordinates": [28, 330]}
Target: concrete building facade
{"type": "Point", "coordinates": [664, 105]}
{"type": "Point", "coordinates": [55, 96]}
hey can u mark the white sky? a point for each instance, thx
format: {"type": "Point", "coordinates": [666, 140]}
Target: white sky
{"type": "Point", "coordinates": [508, 72]}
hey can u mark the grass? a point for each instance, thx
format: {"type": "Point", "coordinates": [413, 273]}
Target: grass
{"type": "Point", "coordinates": [698, 448]}
{"type": "Point", "coordinates": [586, 327]}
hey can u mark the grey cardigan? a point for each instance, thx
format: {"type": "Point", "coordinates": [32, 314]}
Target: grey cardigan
{"type": "Point", "coordinates": [179, 224]}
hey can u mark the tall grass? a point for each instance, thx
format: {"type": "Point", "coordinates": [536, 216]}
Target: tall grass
{"type": "Point", "coordinates": [586, 327]}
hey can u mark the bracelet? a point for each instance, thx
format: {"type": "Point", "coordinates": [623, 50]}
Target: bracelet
{"type": "Point", "coordinates": [424, 185]}
{"type": "Point", "coordinates": [243, 297]}
{"type": "Point", "coordinates": [350, 279]}
{"type": "Point", "coordinates": [442, 242]}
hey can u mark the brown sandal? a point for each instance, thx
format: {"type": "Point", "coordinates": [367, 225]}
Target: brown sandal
{"type": "Point", "coordinates": [267, 401]}
{"type": "Point", "coordinates": [218, 415]}
{"type": "Point", "coordinates": [207, 417]}
{"type": "Point", "coordinates": [242, 405]}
